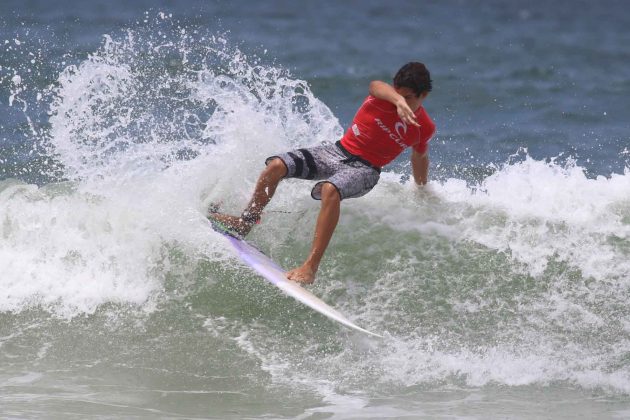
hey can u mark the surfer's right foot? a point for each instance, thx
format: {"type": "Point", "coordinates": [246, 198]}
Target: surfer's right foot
{"type": "Point", "coordinates": [237, 224]}
{"type": "Point", "coordinates": [304, 275]}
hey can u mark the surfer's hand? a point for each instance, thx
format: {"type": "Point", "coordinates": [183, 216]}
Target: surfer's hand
{"type": "Point", "coordinates": [303, 274]}
{"type": "Point", "coordinates": [405, 113]}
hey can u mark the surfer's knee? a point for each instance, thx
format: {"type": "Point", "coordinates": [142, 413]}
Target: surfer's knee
{"type": "Point", "coordinates": [275, 169]}
{"type": "Point", "coordinates": [330, 193]}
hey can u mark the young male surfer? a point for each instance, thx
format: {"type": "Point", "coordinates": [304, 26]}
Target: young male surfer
{"type": "Point", "coordinates": [390, 119]}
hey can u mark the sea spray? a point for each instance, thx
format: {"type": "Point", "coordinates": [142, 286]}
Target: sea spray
{"type": "Point", "coordinates": [147, 130]}
{"type": "Point", "coordinates": [141, 101]}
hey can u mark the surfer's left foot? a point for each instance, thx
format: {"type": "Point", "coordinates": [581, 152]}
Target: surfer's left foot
{"type": "Point", "coordinates": [304, 275]}
{"type": "Point", "coordinates": [237, 224]}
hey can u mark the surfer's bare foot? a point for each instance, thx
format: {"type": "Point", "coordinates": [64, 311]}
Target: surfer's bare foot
{"type": "Point", "coordinates": [304, 275]}
{"type": "Point", "coordinates": [239, 225]}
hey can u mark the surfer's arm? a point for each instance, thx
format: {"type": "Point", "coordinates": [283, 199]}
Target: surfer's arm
{"type": "Point", "coordinates": [385, 91]}
{"type": "Point", "coordinates": [420, 167]}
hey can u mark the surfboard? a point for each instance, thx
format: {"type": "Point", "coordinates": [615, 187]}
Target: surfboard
{"type": "Point", "coordinates": [274, 274]}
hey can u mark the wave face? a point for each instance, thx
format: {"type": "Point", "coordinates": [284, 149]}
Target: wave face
{"type": "Point", "coordinates": [516, 277]}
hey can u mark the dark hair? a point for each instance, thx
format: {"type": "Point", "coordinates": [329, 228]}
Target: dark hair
{"type": "Point", "coordinates": [414, 76]}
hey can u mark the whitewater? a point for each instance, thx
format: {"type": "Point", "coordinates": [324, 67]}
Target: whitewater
{"type": "Point", "coordinates": [116, 298]}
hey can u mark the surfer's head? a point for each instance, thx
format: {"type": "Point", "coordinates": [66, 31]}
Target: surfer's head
{"type": "Point", "coordinates": [416, 77]}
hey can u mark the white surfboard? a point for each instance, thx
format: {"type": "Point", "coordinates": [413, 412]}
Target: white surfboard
{"type": "Point", "coordinates": [275, 275]}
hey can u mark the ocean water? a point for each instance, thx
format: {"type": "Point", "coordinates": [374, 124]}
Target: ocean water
{"type": "Point", "coordinates": [501, 288]}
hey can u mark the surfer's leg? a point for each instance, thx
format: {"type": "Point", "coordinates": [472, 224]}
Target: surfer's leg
{"type": "Point", "coordinates": [351, 180]}
{"type": "Point", "coordinates": [264, 190]}
{"type": "Point", "coordinates": [309, 163]}
{"type": "Point", "coordinates": [326, 224]}
{"type": "Point", "coordinates": [266, 186]}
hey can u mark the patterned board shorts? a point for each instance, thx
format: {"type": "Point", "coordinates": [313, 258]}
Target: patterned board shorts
{"type": "Point", "coordinates": [350, 175]}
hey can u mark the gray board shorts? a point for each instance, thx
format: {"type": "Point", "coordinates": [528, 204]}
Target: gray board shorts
{"type": "Point", "coordinates": [350, 175]}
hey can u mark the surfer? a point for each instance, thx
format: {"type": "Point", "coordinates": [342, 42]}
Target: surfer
{"type": "Point", "coordinates": [390, 119]}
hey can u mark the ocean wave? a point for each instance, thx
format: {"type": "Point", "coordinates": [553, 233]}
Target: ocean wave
{"type": "Point", "coordinates": [517, 277]}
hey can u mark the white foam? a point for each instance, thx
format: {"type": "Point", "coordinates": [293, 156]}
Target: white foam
{"type": "Point", "coordinates": [554, 212]}
{"type": "Point", "coordinates": [141, 182]}
{"type": "Point", "coordinates": [535, 211]}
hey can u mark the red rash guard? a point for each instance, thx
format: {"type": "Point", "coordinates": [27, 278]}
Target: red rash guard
{"type": "Point", "coordinates": [378, 135]}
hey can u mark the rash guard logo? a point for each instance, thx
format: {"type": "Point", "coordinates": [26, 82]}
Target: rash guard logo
{"type": "Point", "coordinates": [401, 126]}
{"type": "Point", "coordinates": [397, 137]}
